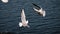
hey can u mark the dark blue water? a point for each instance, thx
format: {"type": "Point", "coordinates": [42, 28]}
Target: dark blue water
{"type": "Point", "coordinates": [10, 17]}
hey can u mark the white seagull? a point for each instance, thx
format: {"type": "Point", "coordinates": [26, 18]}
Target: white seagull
{"type": "Point", "coordinates": [40, 11]}
{"type": "Point", "coordinates": [24, 22]}
{"type": "Point", "coordinates": [4, 1]}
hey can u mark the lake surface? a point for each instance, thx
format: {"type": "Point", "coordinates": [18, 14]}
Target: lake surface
{"type": "Point", "coordinates": [10, 14]}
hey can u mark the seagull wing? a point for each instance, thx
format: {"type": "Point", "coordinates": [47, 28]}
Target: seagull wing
{"type": "Point", "coordinates": [5, 1]}
{"type": "Point", "coordinates": [23, 17]}
{"type": "Point", "coordinates": [36, 9]}
{"type": "Point", "coordinates": [36, 5]}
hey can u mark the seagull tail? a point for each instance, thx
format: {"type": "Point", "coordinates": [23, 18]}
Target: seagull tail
{"type": "Point", "coordinates": [28, 26]}
{"type": "Point", "coordinates": [44, 14]}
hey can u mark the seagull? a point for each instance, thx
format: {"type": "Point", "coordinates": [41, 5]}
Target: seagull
{"type": "Point", "coordinates": [24, 22]}
{"type": "Point", "coordinates": [4, 1]}
{"type": "Point", "coordinates": [40, 11]}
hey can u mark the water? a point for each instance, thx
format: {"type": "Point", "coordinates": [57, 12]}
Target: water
{"type": "Point", "coordinates": [10, 17]}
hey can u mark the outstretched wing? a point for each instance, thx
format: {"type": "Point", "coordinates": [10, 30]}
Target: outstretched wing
{"type": "Point", "coordinates": [36, 6]}
{"type": "Point", "coordinates": [23, 17]}
{"type": "Point", "coordinates": [27, 21]}
{"type": "Point", "coordinates": [36, 9]}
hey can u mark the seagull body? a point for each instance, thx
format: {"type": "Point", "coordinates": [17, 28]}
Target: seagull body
{"type": "Point", "coordinates": [5, 1]}
{"type": "Point", "coordinates": [40, 11]}
{"type": "Point", "coordinates": [24, 22]}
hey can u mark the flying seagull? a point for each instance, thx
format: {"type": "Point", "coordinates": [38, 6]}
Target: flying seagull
{"type": "Point", "coordinates": [4, 1]}
{"type": "Point", "coordinates": [24, 22]}
{"type": "Point", "coordinates": [39, 10]}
